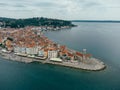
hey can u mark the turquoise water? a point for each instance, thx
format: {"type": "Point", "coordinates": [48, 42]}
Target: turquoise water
{"type": "Point", "coordinates": [100, 39]}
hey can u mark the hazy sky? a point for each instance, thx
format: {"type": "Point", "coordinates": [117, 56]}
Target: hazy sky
{"type": "Point", "coordinates": [62, 9]}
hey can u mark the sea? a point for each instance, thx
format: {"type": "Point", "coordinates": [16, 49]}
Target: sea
{"type": "Point", "coordinates": [101, 39]}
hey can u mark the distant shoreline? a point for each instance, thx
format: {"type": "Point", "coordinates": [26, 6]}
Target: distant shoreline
{"type": "Point", "coordinates": [97, 21]}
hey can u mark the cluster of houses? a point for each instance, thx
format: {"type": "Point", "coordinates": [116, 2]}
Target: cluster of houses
{"type": "Point", "coordinates": [52, 28]}
{"type": "Point", "coordinates": [31, 42]}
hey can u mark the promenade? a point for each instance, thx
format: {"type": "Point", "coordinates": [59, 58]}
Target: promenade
{"type": "Point", "coordinates": [92, 64]}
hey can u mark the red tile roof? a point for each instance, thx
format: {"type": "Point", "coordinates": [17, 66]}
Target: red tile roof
{"type": "Point", "coordinates": [79, 54]}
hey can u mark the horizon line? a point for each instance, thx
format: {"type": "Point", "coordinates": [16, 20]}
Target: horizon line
{"type": "Point", "coordinates": [73, 20]}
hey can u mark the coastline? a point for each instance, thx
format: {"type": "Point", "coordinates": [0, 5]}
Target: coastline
{"type": "Point", "coordinates": [93, 64]}
{"type": "Point", "coordinates": [33, 46]}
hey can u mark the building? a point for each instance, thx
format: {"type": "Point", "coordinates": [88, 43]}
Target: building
{"type": "Point", "coordinates": [83, 56]}
{"type": "Point", "coordinates": [41, 53]}
{"type": "Point", "coordinates": [18, 49]}
{"type": "Point", "coordinates": [71, 56]}
{"type": "Point", "coordinates": [56, 60]}
{"type": "Point", "coordinates": [8, 43]}
{"type": "Point", "coordinates": [79, 55]}
{"type": "Point", "coordinates": [32, 50]}
{"type": "Point", "coordinates": [52, 54]}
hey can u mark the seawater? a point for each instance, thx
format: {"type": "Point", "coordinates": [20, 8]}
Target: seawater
{"type": "Point", "coordinates": [102, 40]}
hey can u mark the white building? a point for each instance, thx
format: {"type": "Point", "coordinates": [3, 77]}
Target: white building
{"type": "Point", "coordinates": [56, 59]}
{"type": "Point", "coordinates": [32, 51]}
{"type": "Point", "coordinates": [52, 54]}
{"type": "Point", "coordinates": [24, 50]}
{"type": "Point", "coordinates": [41, 53]}
{"type": "Point", "coordinates": [16, 49]}
{"type": "Point", "coordinates": [19, 49]}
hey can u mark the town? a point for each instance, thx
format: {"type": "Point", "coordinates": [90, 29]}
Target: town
{"type": "Point", "coordinates": [30, 44]}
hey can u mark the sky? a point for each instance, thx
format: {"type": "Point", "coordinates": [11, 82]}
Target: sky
{"type": "Point", "coordinates": [62, 9]}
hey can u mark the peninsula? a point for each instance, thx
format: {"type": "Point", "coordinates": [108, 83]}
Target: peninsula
{"type": "Point", "coordinates": [47, 23]}
{"type": "Point", "coordinates": [29, 44]}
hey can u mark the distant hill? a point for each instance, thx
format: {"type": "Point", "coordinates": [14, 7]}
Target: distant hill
{"type": "Point", "coordinates": [37, 21]}
{"type": "Point", "coordinates": [112, 21]}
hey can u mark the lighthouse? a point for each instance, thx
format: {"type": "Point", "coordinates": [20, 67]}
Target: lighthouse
{"type": "Point", "coordinates": [84, 54]}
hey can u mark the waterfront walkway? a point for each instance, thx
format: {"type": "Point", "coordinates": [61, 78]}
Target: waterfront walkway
{"type": "Point", "coordinates": [92, 64]}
